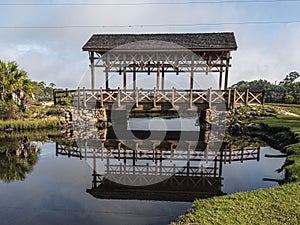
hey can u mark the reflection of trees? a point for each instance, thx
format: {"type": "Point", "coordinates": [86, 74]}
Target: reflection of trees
{"type": "Point", "coordinates": [17, 159]}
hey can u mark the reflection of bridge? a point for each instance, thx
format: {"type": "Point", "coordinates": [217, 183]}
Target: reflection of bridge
{"type": "Point", "coordinates": [157, 170]}
{"type": "Point", "coordinates": [160, 151]}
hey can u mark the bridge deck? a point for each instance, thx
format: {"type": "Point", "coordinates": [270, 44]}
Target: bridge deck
{"type": "Point", "coordinates": [173, 99]}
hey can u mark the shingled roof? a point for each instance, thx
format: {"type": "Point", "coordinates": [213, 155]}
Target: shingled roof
{"type": "Point", "coordinates": [192, 41]}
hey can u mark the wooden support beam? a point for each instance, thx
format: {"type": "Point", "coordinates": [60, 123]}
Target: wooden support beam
{"type": "Point", "coordinates": [192, 75]}
{"type": "Point", "coordinates": [124, 78]}
{"type": "Point", "coordinates": [227, 71]}
{"type": "Point", "coordinates": [234, 98]}
{"type": "Point", "coordinates": [229, 99]}
{"type": "Point", "coordinates": [106, 79]}
{"type": "Point", "coordinates": [134, 78]}
{"type": "Point", "coordinates": [163, 78]}
{"type": "Point", "coordinates": [84, 98]}
{"type": "Point", "coordinates": [92, 70]}
{"type": "Point", "coordinates": [209, 97]}
{"type": "Point", "coordinates": [78, 98]}
{"type": "Point", "coordinates": [158, 77]}
{"type": "Point", "coordinates": [246, 97]}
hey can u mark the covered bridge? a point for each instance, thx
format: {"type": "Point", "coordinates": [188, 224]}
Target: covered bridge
{"type": "Point", "coordinates": [161, 53]}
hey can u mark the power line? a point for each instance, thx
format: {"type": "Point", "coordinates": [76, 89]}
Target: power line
{"type": "Point", "coordinates": [153, 25]}
{"type": "Point", "coordinates": [144, 3]}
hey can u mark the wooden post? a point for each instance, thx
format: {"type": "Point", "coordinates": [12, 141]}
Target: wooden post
{"type": "Point", "coordinates": [92, 70]}
{"type": "Point", "coordinates": [227, 71]}
{"type": "Point", "coordinates": [209, 97]}
{"type": "Point", "coordinates": [124, 78]}
{"type": "Point", "coordinates": [106, 79]}
{"type": "Point", "coordinates": [136, 97]}
{"type": "Point", "coordinates": [54, 96]}
{"type": "Point", "coordinates": [192, 80]}
{"type": "Point", "coordinates": [154, 100]}
{"type": "Point", "coordinates": [158, 77]}
{"type": "Point", "coordinates": [229, 99]}
{"type": "Point", "coordinates": [191, 98]}
{"type": "Point", "coordinates": [78, 98]}
{"type": "Point", "coordinates": [230, 154]}
{"type": "Point", "coordinates": [246, 97]}
{"type": "Point", "coordinates": [119, 97]}
{"type": "Point", "coordinates": [134, 78]}
{"type": "Point", "coordinates": [84, 98]}
{"type": "Point", "coordinates": [192, 74]}
{"type": "Point", "coordinates": [234, 98]}
{"type": "Point", "coordinates": [163, 78]}
{"type": "Point", "coordinates": [242, 159]}
{"type": "Point", "coordinates": [101, 98]}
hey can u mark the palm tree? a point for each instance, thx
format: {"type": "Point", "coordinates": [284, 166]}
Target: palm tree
{"type": "Point", "coordinates": [11, 78]}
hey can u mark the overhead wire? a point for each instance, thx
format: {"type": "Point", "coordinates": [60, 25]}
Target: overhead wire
{"type": "Point", "coordinates": [140, 3]}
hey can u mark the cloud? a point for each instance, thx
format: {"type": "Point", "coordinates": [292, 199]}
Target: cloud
{"type": "Point", "coordinates": [55, 55]}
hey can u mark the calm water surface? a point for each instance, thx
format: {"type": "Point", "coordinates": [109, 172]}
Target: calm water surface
{"type": "Point", "coordinates": [55, 192]}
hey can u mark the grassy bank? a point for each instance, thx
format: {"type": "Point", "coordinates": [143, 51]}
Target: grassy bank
{"type": "Point", "coordinates": [33, 124]}
{"type": "Point", "coordinates": [278, 205]}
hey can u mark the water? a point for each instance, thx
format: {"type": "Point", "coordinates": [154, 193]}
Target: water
{"type": "Point", "coordinates": [72, 189]}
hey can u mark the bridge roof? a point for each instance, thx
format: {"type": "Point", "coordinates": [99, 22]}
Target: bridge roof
{"type": "Point", "coordinates": [169, 41]}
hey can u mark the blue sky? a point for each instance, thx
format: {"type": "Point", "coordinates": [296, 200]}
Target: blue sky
{"type": "Point", "coordinates": [268, 51]}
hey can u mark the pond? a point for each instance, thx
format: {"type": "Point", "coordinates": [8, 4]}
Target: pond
{"type": "Point", "coordinates": [136, 179]}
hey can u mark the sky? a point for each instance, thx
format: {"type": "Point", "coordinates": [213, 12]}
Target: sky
{"type": "Point", "coordinates": [41, 39]}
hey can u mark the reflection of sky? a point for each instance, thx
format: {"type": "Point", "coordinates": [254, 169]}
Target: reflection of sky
{"type": "Point", "coordinates": [159, 124]}
{"type": "Point", "coordinates": [55, 193]}
{"type": "Point", "coordinates": [247, 176]}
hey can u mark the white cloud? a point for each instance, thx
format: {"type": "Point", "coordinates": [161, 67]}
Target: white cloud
{"type": "Point", "coordinates": [56, 55]}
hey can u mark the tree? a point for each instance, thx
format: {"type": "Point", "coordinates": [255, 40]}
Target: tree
{"type": "Point", "coordinates": [291, 88]}
{"type": "Point", "coordinates": [13, 79]}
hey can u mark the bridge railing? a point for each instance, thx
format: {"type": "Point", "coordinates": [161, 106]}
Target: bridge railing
{"type": "Point", "coordinates": [232, 98]}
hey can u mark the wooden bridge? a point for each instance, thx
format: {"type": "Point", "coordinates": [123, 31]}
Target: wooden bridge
{"type": "Point", "coordinates": [173, 99]}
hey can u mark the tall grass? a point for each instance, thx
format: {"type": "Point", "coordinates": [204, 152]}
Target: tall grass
{"type": "Point", "coordinates": [18, 125]}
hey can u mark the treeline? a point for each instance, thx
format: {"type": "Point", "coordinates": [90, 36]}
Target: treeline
{"type": "Point", "coordinates": [286, 91]}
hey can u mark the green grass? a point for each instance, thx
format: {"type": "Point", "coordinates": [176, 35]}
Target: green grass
{"type": "Point", "coordinates": [280, 205]}
{"type": "Point", "coordinates": [293, 108]}
{"type": "Point", "coordinates": [28, 124]}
